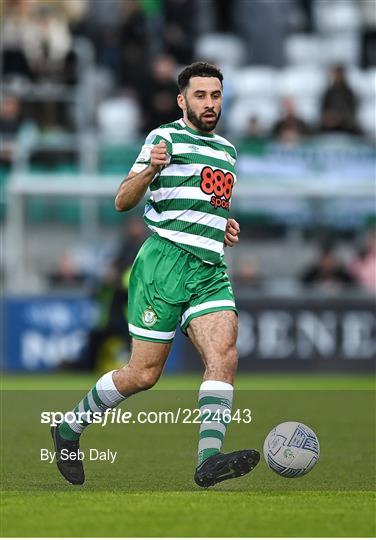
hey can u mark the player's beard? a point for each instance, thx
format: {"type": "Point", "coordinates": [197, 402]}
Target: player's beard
{"type": "Point", "coordinates": [199, 121]}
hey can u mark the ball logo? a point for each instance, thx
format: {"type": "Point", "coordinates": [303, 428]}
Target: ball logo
{"type": "Point", "coordinates": [219, 184]}
{"type": "Point", "coordinates": [149, 317]}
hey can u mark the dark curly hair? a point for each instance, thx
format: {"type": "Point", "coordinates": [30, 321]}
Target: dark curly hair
{"type": "Point", "coordinates": [197, 69]}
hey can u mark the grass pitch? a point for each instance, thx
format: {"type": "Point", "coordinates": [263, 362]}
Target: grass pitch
{"type": "Point", "coordinates": [149, 490]}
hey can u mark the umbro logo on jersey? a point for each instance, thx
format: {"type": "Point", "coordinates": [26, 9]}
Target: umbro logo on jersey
{"type": "Point", "coordinates": [219, 184]}
{"type": "Point", "coordinates": [194, 148]}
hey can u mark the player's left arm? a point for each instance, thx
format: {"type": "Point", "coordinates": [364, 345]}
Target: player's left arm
{"type": "Point", "coordinates": [232, 232]}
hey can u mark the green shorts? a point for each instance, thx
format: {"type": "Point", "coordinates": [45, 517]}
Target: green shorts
{"type": "Point", "coordinates": [168, 285]}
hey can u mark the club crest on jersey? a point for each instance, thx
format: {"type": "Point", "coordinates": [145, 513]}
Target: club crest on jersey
{"type": "Point", "coordinates": [218, 184]}
{"type": "Point", "coordinates": [149, 317]}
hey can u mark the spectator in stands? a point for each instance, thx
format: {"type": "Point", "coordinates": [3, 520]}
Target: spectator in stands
{"type": "Point", "coordinates": [339, 104]}
{"type": "Point", "coordinates": [178, 29]}
{"type": "Point", "coordinates": [41, 32]}
{"type": "Point", "coordinates": [10, 116]}
{"type": "Point", "coordinates": [134, 234]}
{"type": "Point", "coordinates": [159, 98]}
{"type": "Point", "coordinates": [328, 272]}
{"type": "Point", "coordinates": [247, 273]}
{"type": "Point", "coordinates": [254, 129]}
{"type": "Point", "coordinates": [10, 124]}
{"type": "Point", "coordinates": [67, 274]}
{"type": "Point", "coordinates": [134, 46]}
{"type": "Point", "coordinates": [254, 139]}
{"type": "Point", "coordinates": [290, 128]}
{"type": "Point", "coordinates": [363, 267]}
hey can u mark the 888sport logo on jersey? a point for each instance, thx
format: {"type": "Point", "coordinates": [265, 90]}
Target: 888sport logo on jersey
{"type": "Point", "coordinates": [218, 184]}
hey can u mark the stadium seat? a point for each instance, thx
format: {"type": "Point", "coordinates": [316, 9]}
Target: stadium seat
{"type": "Point", "coordinates": [341, 48]}
{"type": "Point", "coordinates": [303, 49]}
{"type": "Point", "coordinates": [242, 110]}
{"type": "Point", "coordinates": [337, 15]}
{"type": "Point", "coordinates": [308, 108]}
{"type": "Point", "coordinates": [299, 81]}
{"type": "Point", "coordinates": [371, 76]}
{"type": "Point", "coordinates": [361, 81]}
{"type": "Point", "coordinates": [119, 119]}
{"type": "Point", "coordinates": [222, 49]}
{"type": "Point", "coordinates": [254, 81]}
{"type": "Point", "coordinates": [367, 117]}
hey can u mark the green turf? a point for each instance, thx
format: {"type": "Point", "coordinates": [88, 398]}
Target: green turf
{"type": "Point", "coordinates": [149, 490]}
{"type": "Point", "coordinates": [189, 514]}
{"type": "Point", "coordinates": [283, 381]}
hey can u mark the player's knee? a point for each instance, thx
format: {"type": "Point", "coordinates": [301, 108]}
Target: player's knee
{"type": "Point", "coordinates": [147, 378]}
{"type": "Point", "coordinates": [130, 380]}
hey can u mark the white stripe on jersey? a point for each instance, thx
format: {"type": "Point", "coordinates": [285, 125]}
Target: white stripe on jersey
{"type": "Point", "coordinates": [190, 239]}
{"type": "Point", "coordinates": [194, 193]}
{"type": "Point", "coordinates": [191, 216]}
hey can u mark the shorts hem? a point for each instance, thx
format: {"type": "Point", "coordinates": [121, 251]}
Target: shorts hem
{"type": "Point", "coordinates": [152, 339]}
{"type": "Point", "coordinates": [205, 312]}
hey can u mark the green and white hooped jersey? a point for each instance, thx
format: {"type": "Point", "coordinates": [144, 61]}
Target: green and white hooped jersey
{"type": "Point", "coordinates": [190, 197]}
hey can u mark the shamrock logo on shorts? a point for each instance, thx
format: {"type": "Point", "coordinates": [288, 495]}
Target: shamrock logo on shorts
{"type": "Point", "coordinates": [149, 317]}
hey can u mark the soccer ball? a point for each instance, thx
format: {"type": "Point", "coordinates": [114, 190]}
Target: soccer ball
{"type": "Point", "coordinates": [291, 449]}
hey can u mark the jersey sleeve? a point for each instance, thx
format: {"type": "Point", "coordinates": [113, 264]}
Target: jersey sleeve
{"type": "Point", "coordinates": [143, 158]}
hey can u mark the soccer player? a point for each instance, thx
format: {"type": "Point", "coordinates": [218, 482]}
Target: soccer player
{"type": "Point", "coordinates": [179, 275]}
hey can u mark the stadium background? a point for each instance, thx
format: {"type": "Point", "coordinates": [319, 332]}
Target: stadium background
{"type": "Point", "coordinates": [83, 82]}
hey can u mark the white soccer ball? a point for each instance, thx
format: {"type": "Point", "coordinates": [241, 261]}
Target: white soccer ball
{"type": "Point", "coordinates": [291, 449]}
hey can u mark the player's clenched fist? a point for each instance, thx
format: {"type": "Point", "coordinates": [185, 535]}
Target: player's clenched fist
{"type": "Point", "coordinates": [232, 232]}
{"type": "Point", "coordinates": [159, 157]}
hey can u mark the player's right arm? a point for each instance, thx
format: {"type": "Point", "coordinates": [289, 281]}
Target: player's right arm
{"type": "Point", "coordinates": [135, 185]}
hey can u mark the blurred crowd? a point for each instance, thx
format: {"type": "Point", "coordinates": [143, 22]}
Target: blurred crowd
{"type": "Point", "coordinates": [140, 45]}
{"type": "Point", "coordinates": [328, 272]}
{"type": "Point", "coordinates": [123, 56]}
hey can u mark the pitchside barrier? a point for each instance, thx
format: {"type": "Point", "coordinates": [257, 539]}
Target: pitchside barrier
{"type": "Point", "coordinates": [308, 334]}
{"type": "Point", "coordinates": [313, 334]}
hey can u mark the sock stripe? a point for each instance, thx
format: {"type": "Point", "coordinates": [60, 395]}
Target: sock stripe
{"type": "Point", "coordinates": [216, 426]}
{"type": "Point", "coordinates": [104, 395]}
{"type": "Point", "coordinates": [67, 432]}
{"type": "Point", "coordinates": [93, 406]}
{"type": "Point", "coordinates": [98, 400]}
{"type": "Point", "coordinates": [212, 400]}
{"type": "Point", "coordinates": [209, 442]}
{"type": "Point", "coordinates": [86, 404]}
{"type": "Point", "coordinates": [213, 433]}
